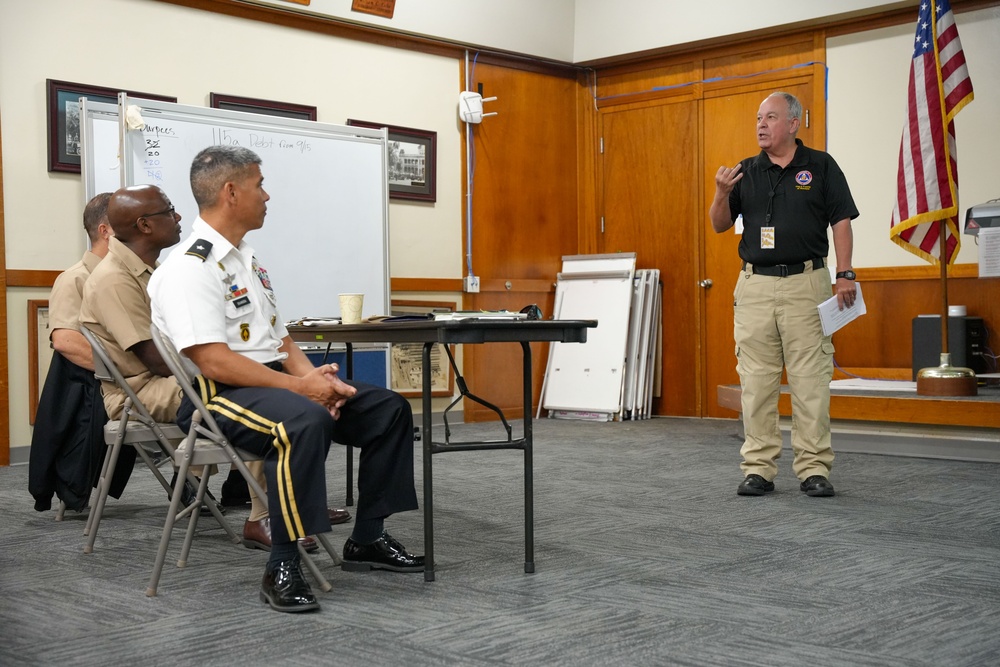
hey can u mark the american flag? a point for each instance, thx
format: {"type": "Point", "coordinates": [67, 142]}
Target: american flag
{"type": "Point", "coordinates": [927, 181]}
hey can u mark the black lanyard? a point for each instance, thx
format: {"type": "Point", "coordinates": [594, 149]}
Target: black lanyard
{"type": "Point", "coordinates": [770, 194]}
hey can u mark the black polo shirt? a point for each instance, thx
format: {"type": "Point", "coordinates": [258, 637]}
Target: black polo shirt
{"type": "Point", "coordinates": [799, 202]}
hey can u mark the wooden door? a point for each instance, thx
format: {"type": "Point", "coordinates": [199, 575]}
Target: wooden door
{"type": "Point", "coordinates": [649, 176]}
{"type": "Point", "coordinates": [729, 122]}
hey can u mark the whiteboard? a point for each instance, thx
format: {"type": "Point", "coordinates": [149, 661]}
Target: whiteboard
{"type": "Point", "coordinates": [326, 229]}
{"type": "Point", "coordinates": [99, 132]}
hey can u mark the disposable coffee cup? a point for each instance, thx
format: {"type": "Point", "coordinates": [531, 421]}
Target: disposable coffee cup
{"type": "Point", "coordinates": [350, 308]}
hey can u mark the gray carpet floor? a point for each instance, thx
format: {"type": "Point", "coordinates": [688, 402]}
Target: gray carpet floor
{"type": "Point", "coordinates": [645, 555]}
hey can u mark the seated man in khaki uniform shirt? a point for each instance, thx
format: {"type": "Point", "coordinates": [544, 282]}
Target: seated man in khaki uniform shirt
{"type": "Point", "coordinates": [115, 303]}
{"type": "Point", "coordinates": [67, 442]}
{"type": "Point", "coordinates": [67, 290]}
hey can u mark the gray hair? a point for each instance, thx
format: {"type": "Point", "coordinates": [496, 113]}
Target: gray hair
{"type": "Point", "coordinates": [214, 167]}
{"type": "Point", "coordinates": [794, 106]}
{"type": "Point", "coordinates": [94, 213]}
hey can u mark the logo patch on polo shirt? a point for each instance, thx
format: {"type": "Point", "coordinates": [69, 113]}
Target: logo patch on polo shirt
{"type": "Point", "coordinates": [804, 177]}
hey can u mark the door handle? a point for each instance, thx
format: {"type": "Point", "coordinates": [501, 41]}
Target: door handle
{"type": "Point", "coordinates": [706, 283]}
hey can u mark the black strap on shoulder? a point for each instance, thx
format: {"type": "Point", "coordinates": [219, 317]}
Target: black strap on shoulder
{"type": "Point", "coordinates": [200, 249]}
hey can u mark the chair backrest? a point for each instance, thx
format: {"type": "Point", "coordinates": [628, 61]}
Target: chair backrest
{"type": "Point", "coordinates": [204, 432]}
{"type": "Point", "coordinates": [184, 371]}
{"type": "Point", "coordinates": [106, 370]}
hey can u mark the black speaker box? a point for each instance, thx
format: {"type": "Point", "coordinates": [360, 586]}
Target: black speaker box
{"type": "Point", "coordinates": [964, 339]}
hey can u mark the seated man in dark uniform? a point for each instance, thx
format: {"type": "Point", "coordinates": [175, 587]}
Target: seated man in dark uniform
{"type": "Point", "coordinates": [214, 302]}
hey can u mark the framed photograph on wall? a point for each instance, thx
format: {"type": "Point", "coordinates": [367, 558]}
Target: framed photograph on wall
{"type": "Point", "coordinates": [264, 107]}
{"type": "Point", "coordinates": [63, 103]}
{"type": "Point", "coordinates": [406, 359]}
{"type": "Point", "coordinates": [412, 161]}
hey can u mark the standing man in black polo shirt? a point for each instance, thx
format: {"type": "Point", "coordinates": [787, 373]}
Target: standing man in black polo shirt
{"type": "Point", "coordinates": [787, 196]}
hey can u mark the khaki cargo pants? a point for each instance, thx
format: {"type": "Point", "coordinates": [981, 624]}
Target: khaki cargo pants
{"type": "Point", "coordinates": [776, 325]}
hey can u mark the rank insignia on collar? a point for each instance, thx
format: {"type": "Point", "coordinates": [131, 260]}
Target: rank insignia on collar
{"type": "Point", "coordinates": [200, 249]}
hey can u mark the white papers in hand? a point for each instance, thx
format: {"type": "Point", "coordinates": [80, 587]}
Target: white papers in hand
{"type": "Point", "coordinates": [833, 318]}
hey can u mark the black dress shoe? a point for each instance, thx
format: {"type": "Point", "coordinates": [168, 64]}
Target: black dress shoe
{"type": "Point", "coordinates": [385, 553]}
{"type": "Point", "coordinates": [754, 485]}
{"type": "Point", "coordinates": [285, 589]}
{"type": "Point", "coordinates": [189, 493]}
{"type": "Point", "coordinates": [235, 491]}
{"type": "Point", "coordinates": [817, 486]}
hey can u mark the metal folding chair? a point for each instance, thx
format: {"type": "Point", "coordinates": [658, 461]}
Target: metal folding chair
{"type": "Point", "coordinates": [206, 444]}
{"type": "Point", "coordinates": [136, 428]}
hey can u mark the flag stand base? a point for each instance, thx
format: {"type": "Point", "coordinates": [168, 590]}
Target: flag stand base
{"type": "Point", "coordinates": [946, 380]}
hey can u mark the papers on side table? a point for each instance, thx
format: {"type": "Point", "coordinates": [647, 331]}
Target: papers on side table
{"type": "Point", "coordinates": [480, 315]}
{"type": "Point", "coordinates": [833, 318]}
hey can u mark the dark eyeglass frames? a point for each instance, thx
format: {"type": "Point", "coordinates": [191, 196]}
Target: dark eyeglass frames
{"type": "Point", "coordinates": [153, 215]}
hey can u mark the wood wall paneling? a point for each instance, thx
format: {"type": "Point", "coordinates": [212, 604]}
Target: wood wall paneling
{"type": "Point", "coordinates": [525, 212]}
{"type": "Point", "coordinates": [622, 85]}
{"type": "Point", "coordinates": [650, 206]}
{"type": "Point", "coordinates": [883, 337]}
{"type": "Point", "coordinates": [30, 278]}
{"type": "Point", "coordinates": [494, 372]}
{"type": "Point", "coordinates": [771, 57]}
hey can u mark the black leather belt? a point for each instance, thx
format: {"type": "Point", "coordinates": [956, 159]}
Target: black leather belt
{"type": "Point", "coordinates": [782, 270]}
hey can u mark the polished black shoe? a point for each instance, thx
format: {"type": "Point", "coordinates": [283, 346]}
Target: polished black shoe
{"type": "Point", "coordinates": [817, 486]}
{"type": "Point", "coordinates": [385, 553]}
{"type": "Point", "coordinates": [285, 589]}
{"type": "Point", "coordinates": [754, 485]}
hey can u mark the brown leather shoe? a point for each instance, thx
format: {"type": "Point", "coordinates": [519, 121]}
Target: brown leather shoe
{"type": "Point", "coordinates": [338, 515]}
{"type": "Point", "coordinates": [257, 535]}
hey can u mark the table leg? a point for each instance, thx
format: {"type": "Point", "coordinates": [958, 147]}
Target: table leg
{"type": "Point", "coordinates": [349, 497]}
{"type": "Point", "coordinates": [529, 500]}
{"type": "Point", "coordinates": [427, 439]}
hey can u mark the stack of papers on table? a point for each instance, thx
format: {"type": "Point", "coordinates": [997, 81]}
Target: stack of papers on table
{"type": "Point", "coordinates": [481, 315]}
{"type": "Point", "coordinates": [313, 322]}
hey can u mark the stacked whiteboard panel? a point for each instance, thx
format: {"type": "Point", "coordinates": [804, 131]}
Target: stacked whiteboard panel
{"type": "Point", "coordinates": [642, 353]}
{"type": "Point", "coordinates": [585, 381]}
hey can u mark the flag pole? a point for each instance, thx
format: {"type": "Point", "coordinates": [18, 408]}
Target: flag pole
{"type": "Point", "coordinates": [945, 380]}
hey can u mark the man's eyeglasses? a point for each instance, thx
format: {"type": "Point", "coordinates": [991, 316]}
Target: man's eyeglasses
{"type": "Point", "coordinates": [153, 215]}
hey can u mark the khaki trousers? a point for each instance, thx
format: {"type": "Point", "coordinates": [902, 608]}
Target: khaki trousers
{"type": "Point", "coordinates": [776, 325]}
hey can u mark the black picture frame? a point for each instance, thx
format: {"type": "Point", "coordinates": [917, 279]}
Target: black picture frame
{"type": "Point", "coordinates": [263, 107]}
{"type": "Point", "coordinates": [420, 161]}
{"type": "Point", "coordinates": [62, 102]}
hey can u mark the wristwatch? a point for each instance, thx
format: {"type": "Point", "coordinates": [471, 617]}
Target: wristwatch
{"type": "Point", "coordinates": [846, 274]}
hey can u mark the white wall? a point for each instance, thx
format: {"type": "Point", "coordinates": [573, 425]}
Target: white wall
{"type": "Point", "coordinates": [159, 48]}
{"type": "Point", "coordinates": [868, 76]}
{"type": "Point", "coordinates": [605, 29]}
{"type": "Point", "coordinates": [542, 28]}
{"type": "Point", "coordinates": [583, 30]}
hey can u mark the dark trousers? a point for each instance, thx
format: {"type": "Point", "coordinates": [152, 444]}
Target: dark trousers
{"type": "Point", "coordinates": [293, 435]}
